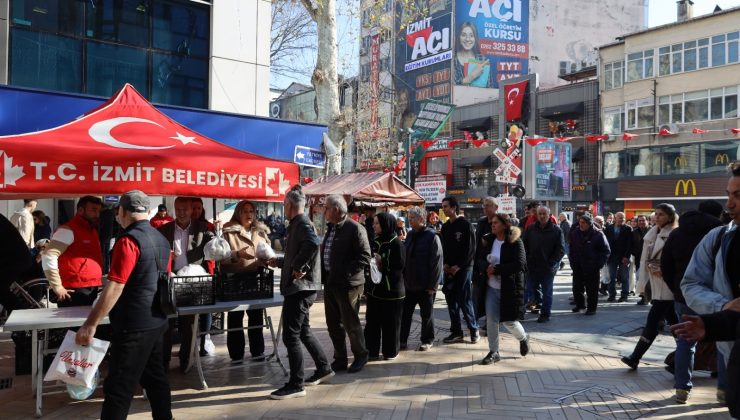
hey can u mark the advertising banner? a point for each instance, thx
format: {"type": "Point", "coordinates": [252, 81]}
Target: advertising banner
{"type": "Point", "coordinates": [374, 80]}
{"type": "Point", "coordinates": [432, 187]}
{"type": "Point", "coordinates": [491, 42]}
{"type": "Point", "coordinates": [552, 164]}
{"type": "Point", "coordinates": [506, 204]}
{"type": "Point", "coordinates": [423, 59]}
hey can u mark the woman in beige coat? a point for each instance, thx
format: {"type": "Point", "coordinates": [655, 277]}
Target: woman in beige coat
{"type": "Point", "coordinates": [662, 309]}
{"type": "Point", "coordinates": [243, 233]}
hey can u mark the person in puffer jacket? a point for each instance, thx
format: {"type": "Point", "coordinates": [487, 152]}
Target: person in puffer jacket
{"type": "Point", "coordinates": [385, 299]}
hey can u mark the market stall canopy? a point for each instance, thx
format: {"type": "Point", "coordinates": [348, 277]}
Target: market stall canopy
{"type": "Point", "coordinates": [127, 144]}
{"type": "Point", "coordinates": [364, 189]}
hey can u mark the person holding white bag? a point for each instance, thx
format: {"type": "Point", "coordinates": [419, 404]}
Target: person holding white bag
{"type": "Point", "coordinates": [136, 319]}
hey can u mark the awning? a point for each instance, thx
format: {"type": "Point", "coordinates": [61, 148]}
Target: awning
{"type": "Point", "coordinates": [474, 162]}
{"type": "Point", "coordinates": [363, 189]}
{"type": "Point", "coordinates": [562, 111]}
{"type": "Point", "coordinates": [126, 144]}
{"type": "Point", "coordinates": [478, 124]}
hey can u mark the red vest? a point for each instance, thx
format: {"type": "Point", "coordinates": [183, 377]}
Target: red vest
{"type": "Point", "coordinates": [81, 265]}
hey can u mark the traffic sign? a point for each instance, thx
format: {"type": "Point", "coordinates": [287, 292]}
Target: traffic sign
{"type": "Point", "coordinates": [307, 156]}
{"type": "Point", "coordinates": [507, 172]}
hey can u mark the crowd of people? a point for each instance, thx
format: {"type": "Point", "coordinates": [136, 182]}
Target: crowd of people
{"type": "Point", "coordinates": [490, 272]}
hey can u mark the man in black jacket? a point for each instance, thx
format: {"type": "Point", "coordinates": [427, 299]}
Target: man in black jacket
{"type": "Point", "coordinates": [422, 273]}
{"type": "Point", "coordinates": [458, 244]}
{"type": "Point", "coordinates": [589, 251]}
{"type": "Point", "coordinates": [637, 241]}
{"type": "Point", "coordinates": [677, 251]}
{"type": "Point", "coordinates": [301, 268]}
{"type": "Point", "coordinates": [490, 208]}
{"type": "Point", "coordinates": [187, 239]}
{"type": "Point", "coordinates": [545, 247]}
{"type": "Point", "coordinates": [345, 255]}
{"type": "Point", "coordinates": [14, 260]}
{"type": "Point", "coordinates": [619, 236]}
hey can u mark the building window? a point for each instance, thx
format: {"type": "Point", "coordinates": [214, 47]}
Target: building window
{"type": "Point", "coordinates": [613, 165]}
{"type": "Point", "coordinates": [613, 120]}
{"type": "Point", "coordinates": [703, 53]}
{"type": "Point", "coordinates": [716, 156]}
{"type": "Point", "coordinates": [640, 114]}
{"type": "Point", "coordinates": [664, 61]}
{"type": "Point", "coordinates": [696, 106]}
{"type": "Point", "coordinates": [689, 56]}
{"type": "Point", "coordinates": [640, 65]}
{"type": "Point", "coordinates": [162, 48]}
{"type": "Point", "coordinates": [437, 165]}
{"type": "Point", "coordinates": [732, 47]}
{"type": "Point", "coordinates": [692, 55]}
{"type": "Point", "coordinates": [613, 75]}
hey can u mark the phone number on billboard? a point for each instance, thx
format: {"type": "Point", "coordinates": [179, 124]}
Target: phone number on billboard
{"type": "Point", "coordinates": [508, 49]}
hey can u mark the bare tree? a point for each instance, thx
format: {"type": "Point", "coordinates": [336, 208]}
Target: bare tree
{"type": "Point", "coordinates": [293, 38]}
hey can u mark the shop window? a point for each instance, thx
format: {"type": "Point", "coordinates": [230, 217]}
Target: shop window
{"type": "Point", "coordinates": [181, 29]}
{"type": "Point", "coordinates": [45, 61]}
{"type": "Point", "coordinates": [646, 162]}
{"type": "Point", "coordinates": [437, 165]}
{"type": "Point", "coordinates": [109, 67]}
{"type": "Point", "coordinates": [680, 160]}
{"type": "Point", "coordinates": [56, 17]}
{"type": "Point", "coordinates": [716, 156]}
{"type": "Point", "coordinates": [180, 81]}
{"type": "Point", "coordinates": [120, 21]}
{"type": "Point", "coordinates": [613, 165]}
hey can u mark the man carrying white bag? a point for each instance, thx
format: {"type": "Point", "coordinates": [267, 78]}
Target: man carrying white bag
{"type": "Point", "coordinates": [131, 299]}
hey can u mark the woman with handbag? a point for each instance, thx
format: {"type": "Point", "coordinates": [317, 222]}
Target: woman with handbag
{"type": "Point", "coordinates": [385, 298]}
{"type": "Point", "coordinates": [244, 233]}
{"type": "Point", "coordinates": [650, 273]}
{"type": "Point", "coordinates": [500, 276]}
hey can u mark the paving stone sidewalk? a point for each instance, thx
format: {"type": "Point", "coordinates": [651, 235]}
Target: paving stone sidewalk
{"type": "Point", "coordinates": [572, 372]}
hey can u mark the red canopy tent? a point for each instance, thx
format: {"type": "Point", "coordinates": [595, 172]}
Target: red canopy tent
{"type": "Point", "coordinates": [128, 144]}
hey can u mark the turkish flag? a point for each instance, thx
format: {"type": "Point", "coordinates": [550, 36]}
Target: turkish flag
{"type": "Point", "coordinates": [629, 136]}
{"type": "Point", "coordinates": [698, 131]}
{"type": "Point", "coordinates": [597, 137]}
{"type": "Point", "coordinates": [735, 130]}
{"type": "Point", "coordinates": [534, 141]}
{"type": "Point", "coordinates": [514, 95]}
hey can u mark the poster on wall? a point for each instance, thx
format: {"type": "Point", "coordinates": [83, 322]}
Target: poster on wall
{"type": "Point", "coordinates": [432, 187]}
{"type": "Point", "coordinates": [491, 42]}
{"type": "Point", "coordinates": [552, 164]}
{"type": "Point", "coordinates": [423, 59]}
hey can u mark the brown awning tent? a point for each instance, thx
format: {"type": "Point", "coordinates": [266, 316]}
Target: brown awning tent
{"type": "Point", "coordinates": [364, 189]}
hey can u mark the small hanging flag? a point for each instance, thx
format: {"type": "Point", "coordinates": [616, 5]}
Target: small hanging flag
{"type": "Point", "coordinates": [563, 139]}
{"type": "Point", "coordinates": [479, 143]}
{"type": "Point", "coordinates": [698, 131]}
{"type": "Point", "coordinates": [597, 137]}
{"type": "Point", "coordinates": [534, 141]}
{"type": "Point", "coordinates": [453, 143]}
{"type": "Point", "coordinates": [735, 130]}
{"type": "Point", "coordinates": [629, 136]}
{"type": "Point", "coordinates": [665, 132]}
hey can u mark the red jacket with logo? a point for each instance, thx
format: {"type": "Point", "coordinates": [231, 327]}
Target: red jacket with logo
{"type": "Point", "coordinates": [81, 264]}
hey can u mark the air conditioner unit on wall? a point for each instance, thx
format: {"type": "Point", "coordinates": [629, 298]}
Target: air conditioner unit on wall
{"type": "Point", "coordinates": [673, 128]}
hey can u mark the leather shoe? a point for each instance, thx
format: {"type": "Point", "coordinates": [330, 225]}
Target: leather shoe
{"type": "Point", "coordinates": [338, 366]}
{"type": "Point", "coordinates": [357, 365]}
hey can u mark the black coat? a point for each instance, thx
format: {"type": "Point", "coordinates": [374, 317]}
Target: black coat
{"type": "Point", "coordinates": [350, 255]}
{"type": "Point", "coordinates": [680, 245]}
{"type": "Point", "coordinates": [301, 255]}
{"type": "Point", "coordinates": [14, 259]}
{"type": "Point", "coordinates": [638, 236]}
{"type": "Point", "coordinates": [544, 247]}
{"type": "Point", "coordinates": [589, 250]}
{"type": "Point", "coordinates": [725, 326]}
{"type": "Point", "coordinates": [512, 267]}
{"type": "Point", "coordinates": [393, 258]}
{"type": "Point", "coordinates": [620, 247]}
{"type": "Point", "coordinates": [565, 227]}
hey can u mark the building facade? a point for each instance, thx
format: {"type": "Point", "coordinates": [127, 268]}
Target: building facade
{"type": "Point", "coordinates": [674, 90]}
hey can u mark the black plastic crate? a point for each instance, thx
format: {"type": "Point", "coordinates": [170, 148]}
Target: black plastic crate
{"type": "Point", "coordinates": [194, 290]}
{"type": "Point", "coordinates": [245, 286]}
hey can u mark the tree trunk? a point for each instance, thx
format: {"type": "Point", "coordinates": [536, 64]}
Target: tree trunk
{"type": "Point", "coordinates": [324, 77]}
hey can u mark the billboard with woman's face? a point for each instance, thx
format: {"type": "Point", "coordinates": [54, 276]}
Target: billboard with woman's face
{"type": "Point", "coordinates": [491, 42]}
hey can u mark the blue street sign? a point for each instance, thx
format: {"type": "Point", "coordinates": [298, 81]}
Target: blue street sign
{"type": "Point", "coordinates": [309, 157]}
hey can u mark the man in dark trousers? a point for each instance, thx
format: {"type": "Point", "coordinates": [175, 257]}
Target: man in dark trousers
{"type": "Point", "coordinates": [589, 251]}
{"type": "Point", "coordinates": [619, 236]}
{"type": "Point", "coordinates": [187, 239]}
{"type": "Point", "coordinates": [14, 259]}
{"type": "Point", "coordinates": [490, 208]}
{"type": "Point", "coordinates": [136, 320]}
{"type": "Point", "coordinates": [677, 251]}
{"type": "Point", "coordinates": [422, 273]}
{"type": "Point", "coordinates": [345, 255]}
{"type": "Point", "coordinates": [458, 245]}
{"type": "Point", "coordinates": [301, 268]}
{"type": "Point", "coordinates": [638, 236]}
{"type": "Point", "coordinates": [545, 248]}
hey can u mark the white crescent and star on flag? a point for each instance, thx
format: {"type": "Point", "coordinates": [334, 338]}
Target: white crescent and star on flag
{"type": "Point", "coordinates": [101, 133]}
{"type": "Point", "coordinates": [509, 96]}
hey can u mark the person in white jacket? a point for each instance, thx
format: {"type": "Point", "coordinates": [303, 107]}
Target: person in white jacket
{"type": "Point", "coordinates": [661, 295]}
{"type": "Point", "coordinates": [23, 221]}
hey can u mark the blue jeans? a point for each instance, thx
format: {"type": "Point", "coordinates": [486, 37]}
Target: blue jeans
{"type": "Point", "coordinates": [623, 271]}
{"type": "Point", "coordinates": [532, 291]}
{"type": "Point", "coordinates": [493, 315]}
{"type": "Point", "coordinates": [460, 299]}
{"type": "Point", "coordinates": [543, 282]}
{"type": "Point", "coordinates": [684, 356]}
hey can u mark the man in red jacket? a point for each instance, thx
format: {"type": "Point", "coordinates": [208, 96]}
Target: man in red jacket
{"type": "Point", "coordinates": [161, 217]}
{"type": "Point", "coordinates": [73, 260]}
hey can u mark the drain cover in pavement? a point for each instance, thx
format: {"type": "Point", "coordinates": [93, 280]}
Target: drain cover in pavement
{"type": "Point", "coordinates": [6, 383]}
{"type": "Point", "coordinates": [602, 402]}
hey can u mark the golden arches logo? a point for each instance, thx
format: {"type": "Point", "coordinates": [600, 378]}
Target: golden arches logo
{"type": "Point", "coordinates": [721, 158]}
{"type": "Point", "coordinates": [685, 184]}
{"type": "Point", "coordinates": [680, 162]}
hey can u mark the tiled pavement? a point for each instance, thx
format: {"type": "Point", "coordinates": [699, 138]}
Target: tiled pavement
{"type": "Point", "coordinates": [572, 372]}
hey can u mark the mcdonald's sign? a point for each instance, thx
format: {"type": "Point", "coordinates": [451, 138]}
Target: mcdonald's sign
{"type": "Point", "coordinates": [685, 184]}
{"type": "Point", "coordinates": [721, 158]}
{"type": "Point", "coordinates": [680, 162]}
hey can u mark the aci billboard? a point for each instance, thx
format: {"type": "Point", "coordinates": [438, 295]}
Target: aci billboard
{"type": "Point", "coordinates": [492, 41]}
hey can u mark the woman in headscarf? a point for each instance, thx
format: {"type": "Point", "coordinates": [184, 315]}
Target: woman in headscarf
{"type": "Point", "coordinates": [243, 233]}
{"type": "Point", "coordinates": [500, 278]}
{"type": "Point", "coordinates": [661, 310]}
{"type": "Point", "coordinates": [385, 299]}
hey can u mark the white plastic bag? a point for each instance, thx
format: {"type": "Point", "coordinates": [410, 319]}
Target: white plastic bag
{"type": "Point", "coordinates": [80, 393]}
{"type": "Point", "coordinates": [375, 274]}
{"type": "Point", "coordinates": [264, 251]}
{"type": "Point", "coordinates": [209, 347]}
{"type": "Point", "coordinates": [76, 365]}
{"type": "Point", "coordinates": [192, 270]}
{"type": "Point", "coordinates": [217, 249]}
